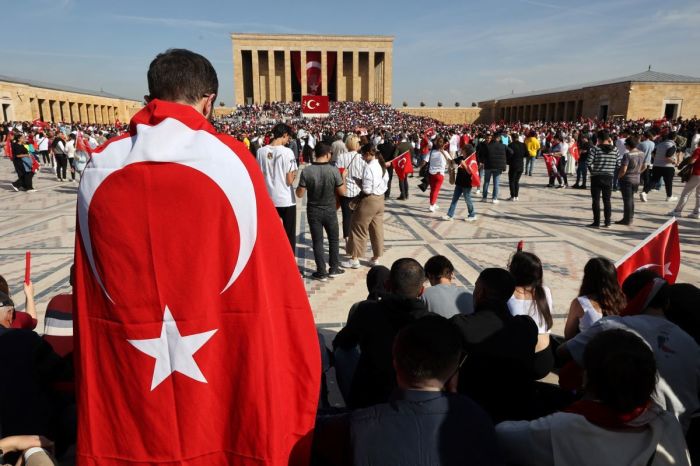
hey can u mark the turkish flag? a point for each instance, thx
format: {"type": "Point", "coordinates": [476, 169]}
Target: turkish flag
{"type": "Point", "coordinates": [8, 146]}
{"type": "Point", "coordinates": [39, 123]}
{"type": "Point", "coordinates": [315, 104]}
{"type": "Point", "coordinates": [403, 165]}
{"type": "Point", "coordinates": [195, 341]}
{"type": "Point", "coordinates": [551, 162]}
{"type": "Point", "coordinates": [472, 167]}
{"type": "Point", "coordinates": [82, 145]}
{"type": "Point", "coordinates": [573, 150]}
{"type": "Point", "coordinates": [660, 252]}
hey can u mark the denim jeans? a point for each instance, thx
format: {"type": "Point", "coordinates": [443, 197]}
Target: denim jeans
{"type": "Point", "coordinates": [459, 192]}
{"type": "Point", "coordinates": [319, 220]}
{"type": "Point", "coordinates": [581, 173]}
{"type": "Point", "coordinates": [628, 190]}
{"type": "Point", "coordinates": [488, 174]}
{"type": "Point", "coordinates": [529, 165]}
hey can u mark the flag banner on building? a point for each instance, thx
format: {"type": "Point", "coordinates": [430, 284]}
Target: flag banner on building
{"type": "Point", "coordinates": [313, 69]}
{"type": "Point", "coordinates": [403, 165]}
{"type": "Point", "coordinates": [315, 105]}
{"type": "Point", "coordinates": [472, 167]}
{"type": "Point", "coordinates": [660, 252]}
{"type": "Point", "coordinates": [190, 349]}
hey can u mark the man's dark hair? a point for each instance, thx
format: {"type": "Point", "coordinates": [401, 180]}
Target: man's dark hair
{"type": "Point", "coordinates": [439, 267]}
{"type": "Point", "coordinates": [683, 308]}
{"type": "Point", "coordinates": [322, 149]}
{"type": "Point", "coordinates": [620, 370]}
{"type": "Point", "coordinates": [281, 130]}
{"type": "Point", "coordinates": [648, 134]}
{"type": "Point", "coordinates": [181, 75]}
{"type": "Point", "coordinates": [428, 348]}
{"type": "Point", "coordinates": [406, 278]}
{"type": "Point", "coordinates": [603, 135]}
{"type": "Point", "coordinates": [632, 141]}
{"type": "Point", "coordinates": [497, 284]}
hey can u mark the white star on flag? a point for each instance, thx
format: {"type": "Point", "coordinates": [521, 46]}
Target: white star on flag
{"type": "Point", "coordinates": [172, 351]}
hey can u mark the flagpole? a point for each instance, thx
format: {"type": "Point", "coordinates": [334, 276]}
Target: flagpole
{"type": "Point", "coordinates": [646, 240]}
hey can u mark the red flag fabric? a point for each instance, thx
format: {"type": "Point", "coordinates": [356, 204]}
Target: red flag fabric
{"type": "Point", "coordinates": [660, 252]}
{"type": "Point", "coordinates": [472, 167]}
{"type": "Point", "coordinates": [573, 150]}
{"type": "Point", "coordinates": [403, 165]}
{"type": "Point", "coordinates": [8, 146]}
{"type": "Point", "coordinates": [82, 145]}
{"type": "Point", "coordinates": [315, 105]}
{"type": "Point", "coordinates": [36, 166]}
{"type": "Point", "coordinates": [39, 123]}
{"type": "Point", "coordinates": [190, 349]}
{"type": "Point", "coordinates": [551, 163]}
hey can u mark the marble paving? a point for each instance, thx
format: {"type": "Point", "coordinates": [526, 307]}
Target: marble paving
{"type": "Point", "coordinates": [550, 221]}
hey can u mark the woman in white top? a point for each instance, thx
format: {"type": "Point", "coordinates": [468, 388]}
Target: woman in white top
{"type": "Point", "coordinates": [600, 295]}
{"type": "Point", "coordinates": [368, 216]}
{"type": "Point", "coordinates": [351, 165]}
{"type": "Point", "coordinates": [533, 299]}
{"type": "Point", "coordinates": [70, 152]}
{"type": "Point", "coordinates": [437, 165]}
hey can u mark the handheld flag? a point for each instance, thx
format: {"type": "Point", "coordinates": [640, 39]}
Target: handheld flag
{"type": "Point", "coordinates": [27, 267]}
{"type": "Point", "coordinates": [403, 165]}
{"type": "Point", "coordinates": [660, 252]}
{"type": "Point", "coordinates": [472, 167]}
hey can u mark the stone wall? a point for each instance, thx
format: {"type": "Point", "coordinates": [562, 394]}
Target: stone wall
{"type": "Point", "coordinates": [448, 115]}
{"type": "Point", "coordinates": [21, 102]}
{"type": "Point", "coordinates": [647, 100]}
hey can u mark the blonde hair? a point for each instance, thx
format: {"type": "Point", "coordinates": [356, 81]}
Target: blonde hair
{"type": "Point", "coordinates": [353, 143]}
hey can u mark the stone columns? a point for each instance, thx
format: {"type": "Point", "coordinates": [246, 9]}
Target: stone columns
{"type": "Point", "coordinates": [302, 65]}
{"type": "Point", "coordinates": [370, 76]}
{"type": "Point", "coordinates": [356, 91]}
{"type": "Point", "coordinates": [287, 76]}
{"type": "Point", "coordinates": [388, 73]}
{"type": "Point", "coordinates": [271, 81]}
{"type": "Point", "coordinates": [324, 72]}
{"type": "Point", "coordinates": [238, 75]}
{"type": "Point", "coordinates": [339, 82]}
{"type": "Point", "coordinates": [256, 77]}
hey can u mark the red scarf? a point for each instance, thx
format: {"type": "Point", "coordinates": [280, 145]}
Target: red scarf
{"type": "Point", "coordinates": [601, 415]}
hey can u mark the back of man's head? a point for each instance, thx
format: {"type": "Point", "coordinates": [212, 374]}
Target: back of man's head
{"type": "Point", "coordinates": [406, 278]}
{"type": "Point", "coordinates": [179, 75]}
{"type": "Point", "coordinates": [603, 136]}
{"type": "Point", "coordinates": [281, 130]}
{"type": "Point", "coordinates": [494, 285]}
{"type": "Point", "coordinates": [322, 149]}
{"type": "Point", "coordinates": [427, 350]}
{"type": "Point", "coordinates": [620, 370]}
{"type": "Point", "coordinates": [439, 267]}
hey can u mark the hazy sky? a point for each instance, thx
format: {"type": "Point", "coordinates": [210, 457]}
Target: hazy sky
{"type": "Point", "coordinates": [443, 50]}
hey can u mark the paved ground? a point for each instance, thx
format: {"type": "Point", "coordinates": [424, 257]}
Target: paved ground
{"type": "Point", "coordinates": [549, 221]}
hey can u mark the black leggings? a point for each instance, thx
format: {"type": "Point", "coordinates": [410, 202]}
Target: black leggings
{"type": "Point", "coordinates": [662, 172]}
{"type": "Point", "coordinates": [61, 166]}
{"type": "Point", "coordinates": [347, 215]}
{"type": "Point", "coordinates": [544, 362]}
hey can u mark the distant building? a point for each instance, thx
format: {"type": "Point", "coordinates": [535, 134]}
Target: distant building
{"type": "Point", "coordinates": [268, 67]}
{"type": "Point", "coordinates": [27, 100]}
{"type": "Point", "coordinates": [650, 94]}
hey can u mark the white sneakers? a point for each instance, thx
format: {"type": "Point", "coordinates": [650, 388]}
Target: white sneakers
{"type": "Point", "coordinates": [373, 262]}
{"type": "Point", "coordinates": [470, 219]}
{"type": "Point", "coordinates": [694, 215]}
{"type": "Point", "coordinates": [447, 218]}
{"type": "Point", "coordinates": [672, 198]}
{"type": "Point", "coordinates": [643, 196]}
{"type": "Point", "coordinates": [431, 208]}
{"type": "Point", "coordinates": [351, 264]}
{"type": "Point", "coordinates": [496, 201]}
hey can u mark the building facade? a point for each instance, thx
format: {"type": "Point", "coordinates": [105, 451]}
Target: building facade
{"type": "Point", "coordinates": [27, 100]}
{"type": "Point", "coordinates": [650, 94]}
{"type": "Point", "coordinates": [268, 67]}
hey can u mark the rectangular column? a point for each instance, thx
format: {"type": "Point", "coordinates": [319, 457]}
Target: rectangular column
{"type": "Point", "coordinates": [324, 72]}
{"type": "Point", "coordinates": [356, 91]}
{"type": "Point", "coordinates": [271, 81]}
{"type": "Point", "coordinates": [370, 76]}
{"type": "Point", "coordinates": [287, 76]}
{"type": "Point", "coordinates": [339, 83]}
{"type": "Point", "coordinates": [256, 77]}
{"type": "Point", "coordinates": [238, 75]}
{"type": "Point", "coordinates": [302, 66]}
{"type": "Point", "coordinates": [388, 73]}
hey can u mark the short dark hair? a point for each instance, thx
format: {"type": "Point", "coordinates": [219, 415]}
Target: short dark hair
{"type": "Point", "coordinates": [438, 267]}
{"type": "Point", "coordinates": [406, 278]}
{"type": "Point", "coordinates": [637, 281]}
{"type": "Point", "coordinates": [683, 308]}
{"type": "Point", "coordinates": [428, 348]}
{"type": "Point", "coordinates": [321, 149]}
{"type": "Point", "coordinates": [181, 75]}
{"type": "Point", "coordinates": [603, 135]}
{"type": "Point", "coordinates": [632, 141]}
{"type": "Point", "coordinates": [620, 370]}
{"type": "Point", "coordinates": [497, 284]}
{"type": "Point", "coordinates": [281, 130]}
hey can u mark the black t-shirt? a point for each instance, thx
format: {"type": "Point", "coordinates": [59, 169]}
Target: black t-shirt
{"type": "Point", "coordinates": [18, 149]}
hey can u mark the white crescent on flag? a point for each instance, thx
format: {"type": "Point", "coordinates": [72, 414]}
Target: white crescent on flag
{"type": "Point", "coordinates": [310, 104]}
{"type": "Point", "coordinates": [172, 142]}
{"type": "Point", "coordinates": [402, 162]}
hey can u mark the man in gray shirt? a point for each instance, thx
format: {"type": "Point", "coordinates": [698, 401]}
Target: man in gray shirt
{"type": "Point", "coordinates": [322, 181]}
{"type": "Point", "coordinates": [443, 297]}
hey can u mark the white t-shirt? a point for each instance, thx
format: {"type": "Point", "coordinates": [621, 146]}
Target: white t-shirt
{"type": "Point", "coordinates": [355, 166]}
{"type": "Point", "coordinates": [275, 162]}
{"type": "Point", "coordinates": [70, 148]}
{"type": "Point", "coordinates": [43, 143]}
{"type": "Point", "coordinates": [373, 180]}
{"type": "Point", "coordinates": [454, 143]}
{"type": "Point", "coordinates": [437, 162]}
{"type": "Point", "coordinates": [528, 307]}
{"type": "Point", "coordinates": [677, 359]}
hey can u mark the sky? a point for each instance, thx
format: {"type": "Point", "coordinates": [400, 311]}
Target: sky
{"type": "Point", "coordinates": [448, 51]}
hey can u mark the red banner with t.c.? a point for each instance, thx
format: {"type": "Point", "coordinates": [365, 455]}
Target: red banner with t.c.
{"type": "Point", "coordinates": [313, 69]}
{"type": "Point", "coordinates": [315, 105]}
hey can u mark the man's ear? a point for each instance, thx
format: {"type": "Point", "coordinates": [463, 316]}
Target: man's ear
{"type": "Point", "coordinates": [147, 98]}
{"type": "Point", "coordinates": [208, 109]}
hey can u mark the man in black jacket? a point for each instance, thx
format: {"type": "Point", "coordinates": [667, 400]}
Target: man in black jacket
{"type": "Point", "coordinates": [374, 325]}
{"type": "Point", "coordinates": [516, 158]}
{"type": "Point", "coordinates": [494, 160]}
{"type": "Point", "coordinates": [499, 372]}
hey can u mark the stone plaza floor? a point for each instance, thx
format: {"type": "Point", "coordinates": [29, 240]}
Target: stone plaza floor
{"type": "Point", "coordinates": [551, 222]}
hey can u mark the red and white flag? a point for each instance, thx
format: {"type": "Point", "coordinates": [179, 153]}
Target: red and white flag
{"type": "Point", "coordinates": [551, 162]}
{"type": "Point", "coordinates": [315, 105]}
{"type": "Point", "coordinates": [573, 150]}
{"type": "Point", "coordinates": [8, 146]}
{"type": "Point", "coordinates": [403, 165]}
{"type": "Point", "coordinates": [472, 167]}
{"type": "Point", "coordinates": [660, 252]}
{"type": "Point", "coordinates": [195, 341]}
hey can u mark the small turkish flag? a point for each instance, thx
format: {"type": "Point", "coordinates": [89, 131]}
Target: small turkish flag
{"type": "Point", "coordinates": [195, 341]}
{"type": "Point", "coordinates": [8, 146]}
{"type": "Point", "coordinates": [403, 165]}
{"type": "Point", "coordinates": [660, 252]}
{"type": "Point", "coordinates": [551, 162]}
{"type": "Point", "coordinates": [472, 167]}
{"type": "Point", "coordinates": [315, 104]}
{"type": "Point", "coordinates": [573, 150]}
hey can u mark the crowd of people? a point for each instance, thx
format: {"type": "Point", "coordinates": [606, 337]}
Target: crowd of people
{"type": "Point", "coordinates": [430, 373]}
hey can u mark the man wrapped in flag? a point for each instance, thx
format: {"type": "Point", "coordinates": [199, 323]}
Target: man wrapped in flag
{"type": "Point", "coordinates": [195, 342]}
